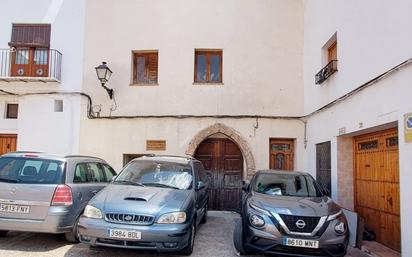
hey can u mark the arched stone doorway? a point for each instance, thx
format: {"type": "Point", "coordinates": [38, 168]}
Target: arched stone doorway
{"type": "Point", "coordinates": [224, 161]}
{"type": "Point", "coordinates": [225, 154]}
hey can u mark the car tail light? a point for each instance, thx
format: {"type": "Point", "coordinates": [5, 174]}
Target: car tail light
{"type": "Point", "coordinates": [62, 196]}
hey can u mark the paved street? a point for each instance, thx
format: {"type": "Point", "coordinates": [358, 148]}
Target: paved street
{"type": "Point", "coordinates": [214, 239]}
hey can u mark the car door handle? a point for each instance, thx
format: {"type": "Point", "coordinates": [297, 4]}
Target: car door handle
{"type": "Point", "coordinates": [94, 192]}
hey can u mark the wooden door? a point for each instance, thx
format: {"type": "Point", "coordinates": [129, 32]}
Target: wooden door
{"type": "Point", "coordinates": [281, 154]}
{"type": "Point", "coordinates": [323, 165]}
{"type": "Point", "coordinates": [377, 185]}
{"type": "Point", "coordinates": [224, 160]}
{"type": "Point", "coordinates": [30, 62]}
{"type": "Point", "coordinates": [8, 143]}
{"type": "Point", "coordinates": [20, 62]}
{"type": "Point", "coordinates": [40, 62]}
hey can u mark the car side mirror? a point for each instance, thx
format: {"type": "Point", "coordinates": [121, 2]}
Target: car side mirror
{"type": "Point", "coordinates": [200, 185]}
{"type": "Point", "coordinates": [245, 186]}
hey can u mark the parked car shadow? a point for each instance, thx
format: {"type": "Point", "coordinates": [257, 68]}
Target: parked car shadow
{"type": "Point", "coordinates": [213, 239]}
{"type": "Point", "coordinates": [31, 242]}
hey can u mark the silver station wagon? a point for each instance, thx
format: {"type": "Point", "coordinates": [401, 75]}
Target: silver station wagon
{"type": "Point", "coordinates": [155, 203]}
{"type": "Point", "coordinates": [48, 193]}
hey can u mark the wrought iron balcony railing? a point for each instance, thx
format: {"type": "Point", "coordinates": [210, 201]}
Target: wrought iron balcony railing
{"type": "Point", "coordinates": [326, 72]}
{"type": "Point", "coordinates": [30, 64]}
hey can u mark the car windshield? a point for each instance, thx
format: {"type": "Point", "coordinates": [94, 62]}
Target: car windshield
{"type": "Point", "coordinates": [156, 174]}
{"type": "Point", "coordinates": [287, 185]}
{"type": "Point", "coordinates": [30, 170]}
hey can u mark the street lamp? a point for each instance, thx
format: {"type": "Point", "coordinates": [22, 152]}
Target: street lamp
{"type": "Point", "coordinates": [103, 74]}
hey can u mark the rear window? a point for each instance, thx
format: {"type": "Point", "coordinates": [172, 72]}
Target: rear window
{"type": "Point", "coordinates": [31, 170]}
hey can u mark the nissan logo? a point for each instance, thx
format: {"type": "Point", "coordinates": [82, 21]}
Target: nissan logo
{"type": "Point", "coordinates": [300, 224]}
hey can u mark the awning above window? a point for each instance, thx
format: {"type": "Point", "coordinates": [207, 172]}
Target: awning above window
{"type": "Point", "coordinates": [34, 35]}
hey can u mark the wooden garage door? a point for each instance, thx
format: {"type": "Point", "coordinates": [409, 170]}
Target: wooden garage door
{"type": "Point", "coordinates": [8, 143]}
{"type": "Point", "coordinates": [224, 160]}
{"type": "Point", "coordinates": [377, 184]}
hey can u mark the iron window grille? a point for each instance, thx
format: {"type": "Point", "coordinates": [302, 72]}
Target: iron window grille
{"type": "Point", "coordinates": [326, 72]}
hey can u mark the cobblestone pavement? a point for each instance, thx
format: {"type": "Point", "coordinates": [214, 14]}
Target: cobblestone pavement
{"type": "Point", "coordinates": [214, 239]}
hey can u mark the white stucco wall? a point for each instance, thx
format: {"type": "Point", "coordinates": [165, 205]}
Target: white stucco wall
{"type": "Point", "coordinates": [110, 139]}
{"type": "Point", "coordinates": [372, 36]}
{"type": "Point", "coordinates": [371, 113]}
{"type": "Point", "coordinates": [262, 46]}
{"type": "Point", "coordinates": [38, 128]}
{"type": "Point", "coordinates": [272, 50]}
{"type": "Point", "coordinates": [7, 126]}
{"type": "Point", "coordinates": [44, 130]}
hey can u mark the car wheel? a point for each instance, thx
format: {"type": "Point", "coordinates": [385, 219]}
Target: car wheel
{"type": "Point", "coordinates": [204, 218]}
{"type": "Point", "coordinates": [73, 236]}
{"type": "Point", "coordinates": [238, 239]}
{"type": "Point", "coordinates": [188, 250]}
{"type": "Point", "coordinates": [3, 233]}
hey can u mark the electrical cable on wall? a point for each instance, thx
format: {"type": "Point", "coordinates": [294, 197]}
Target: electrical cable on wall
{"type": "Point", "coordinates": [92, 115]}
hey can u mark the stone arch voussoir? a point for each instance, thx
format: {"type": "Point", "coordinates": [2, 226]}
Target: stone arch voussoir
{"type": "Point", "coordinates": [234, 136]}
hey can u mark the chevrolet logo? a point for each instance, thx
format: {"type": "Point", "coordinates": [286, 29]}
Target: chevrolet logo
{"type": "Point", "coordinates": [128, 217]}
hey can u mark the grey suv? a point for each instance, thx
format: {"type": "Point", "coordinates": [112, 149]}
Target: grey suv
{"type": "Point", "coordinates": [155, 203]}
{"type": "Point", "coordinates": [48, 193]}
{"type": "Point", "coordinates": [288, 213]}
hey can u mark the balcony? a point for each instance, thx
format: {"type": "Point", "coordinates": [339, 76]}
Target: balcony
{"type": "Point", "coordinates": [326, 72]}
{"type": "Point", "coordinates": [30, 64]}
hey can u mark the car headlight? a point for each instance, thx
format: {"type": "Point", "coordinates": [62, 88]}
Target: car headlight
{"type": "Point", "coordinates": [92, 212]}
{"type": "Point", "coordinates": [335, 216]}
{"type": "Point", "coordinates": [258, 209]}
{"type": "Point", "coordinates": [172, 218]}
{"type": "Point", "coordinates": [256, 220]}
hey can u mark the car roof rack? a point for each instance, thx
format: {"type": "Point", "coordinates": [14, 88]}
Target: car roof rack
{"type": "Point", "coordinates": [168, 155]}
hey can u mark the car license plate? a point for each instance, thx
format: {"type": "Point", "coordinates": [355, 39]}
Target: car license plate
{"type": "Point", "coordinates": [301, 243]}
{"type": "Point", "coordinates": [14, 208]}
{"type": "Point", "coordinates": [125, 234]}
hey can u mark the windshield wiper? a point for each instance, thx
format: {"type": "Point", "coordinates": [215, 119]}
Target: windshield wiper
{"type": "Point", "coordinates": [12, 180]}
{"type": "Point", "coordinates": [128, 182]}
{"type": "Point", "coordinates": [160, 185]}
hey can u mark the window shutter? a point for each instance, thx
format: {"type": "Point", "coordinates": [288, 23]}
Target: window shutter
{"type": "Point", "coordinates": [153, 66]}
{"type": "Point", "coordinates": [12, 111]}
{"type": "Point", "coordinates": [333, 52]}
{"type": "Point", "coordinates": [34, 35]}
